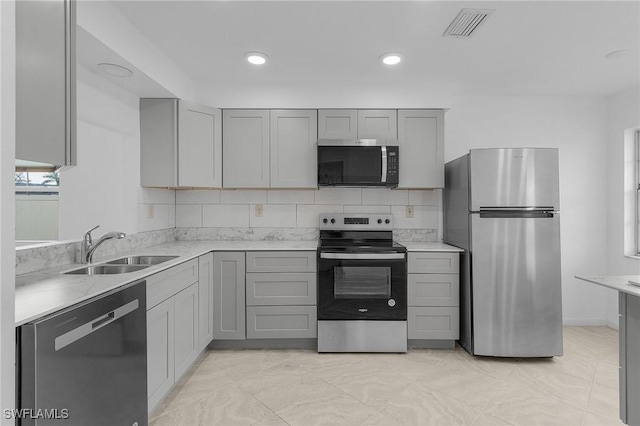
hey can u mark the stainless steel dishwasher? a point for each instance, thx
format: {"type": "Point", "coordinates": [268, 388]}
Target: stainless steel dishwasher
{"type": "Point", "coordinates": [86, 365]}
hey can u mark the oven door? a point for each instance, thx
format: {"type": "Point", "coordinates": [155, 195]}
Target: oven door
{"type": "Point", "coordinates": [362, 286]}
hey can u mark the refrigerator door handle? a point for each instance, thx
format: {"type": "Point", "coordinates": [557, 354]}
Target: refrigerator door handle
{"type": "Point", "coordinates": [518, 214]}
{"type": "Point", "coordinates": [515, 209]}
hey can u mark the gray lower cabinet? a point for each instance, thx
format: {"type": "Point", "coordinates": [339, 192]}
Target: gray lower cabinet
{"type": "Point", "coordinates": [205, 300]}
{"type": "Point", "coordinates": [281, 322]}
{"type": "Point", "coordinates": [229, 295]}
{"type": "Point", "coordinates": [186, 329]}
{"type": "Point", "coordinates": [433, 296]}
{"type": "Point", "coordinates": [281, 295]}
{"type": "Point", "coordinates": [629, 311]}
{"type": "Point", "coordinates": [172, 328]}
{"type": "Point", "coordinates": [160, 352]}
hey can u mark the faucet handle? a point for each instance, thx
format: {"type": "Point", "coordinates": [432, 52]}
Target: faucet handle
{"type": "Point", "coordinates": [87, 235]}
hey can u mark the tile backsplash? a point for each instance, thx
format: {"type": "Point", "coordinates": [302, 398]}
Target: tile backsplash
{"type": "Point", "coordinates": [230, 214]}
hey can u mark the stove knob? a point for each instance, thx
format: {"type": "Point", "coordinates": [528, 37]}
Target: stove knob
{"type": "Point", "coordinates": [333, 221]}
{"type": "Point", "coordinates": [379, 220]}
{"type": "Point", "coordinates": [387, 221]}
{"type": "Point", "coordinates": [325, 220]}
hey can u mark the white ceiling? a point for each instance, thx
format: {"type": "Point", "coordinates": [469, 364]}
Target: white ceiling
{"type": "Point", "coordinates": [320, 50]}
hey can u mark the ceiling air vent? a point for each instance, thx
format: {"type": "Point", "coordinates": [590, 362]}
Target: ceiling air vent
{"type": "Point", "coordinates": [466, 22]}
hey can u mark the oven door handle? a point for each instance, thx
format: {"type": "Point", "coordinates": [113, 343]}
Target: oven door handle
{"type": "Point", "coordinates": [362, 256]}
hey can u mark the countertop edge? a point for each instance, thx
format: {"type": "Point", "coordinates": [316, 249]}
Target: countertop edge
{"type": "Point", "coordinates": [615, 282]}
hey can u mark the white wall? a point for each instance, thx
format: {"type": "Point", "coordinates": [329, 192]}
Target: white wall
{"type": "Point", "coordinates": [104, 188]}
{"type": "Point", "coordinates": [577, 126]}
{"type": "Point", "coordinates": [7, 207]}
{"type": "Point", "coordinates": [623, 114]}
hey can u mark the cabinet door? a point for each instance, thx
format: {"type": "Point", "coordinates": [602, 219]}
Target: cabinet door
{"type": "Point", "coordinates": [428, 262]}
{"type": "Point", "coordinates": [245, 138]}
{"type": "Point", "coordinates": [377, 124]}
{"type": "Point", "coordinates": [199, 146]}
{"type": "Point", "coordinates": [433, 323]}
{"type": "Point", "coordinates": [421, 141]}
{"type": "Point", "coordinates": [158, 142]}
{"type": "Point", "coordinates": [160, 352]}
{"type": "Point", "coordinates": [229, 295]}
{"type": "Point", "coordinates": [337, 124]}
{"type": "Point", "coordinates": [294, 135]}
{"type": "Point", "coordinates": [46, 81]}
{"type": "Point", "coordinates": [186, 329]}
{"type": "Point", "coordinates": [433, 289]}
{"type": "Point", "coordinates": [281, 289]}
{"type": "Point", "coordinates": [282, 322]}
{"type": "Point", "coordinates": [281, 261]}
{"type": "Point", "coordinates": [205, 300]}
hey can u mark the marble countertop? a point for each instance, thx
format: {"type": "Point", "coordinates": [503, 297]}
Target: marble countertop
{"type": "Point", "coordinates": [50, 290]}
{"type": "Point", "coordinates": [616, 282]}
{"type": "Point", "coordinates": [430, 246]}
{"type": "Point", "coordinates": [44, 292]}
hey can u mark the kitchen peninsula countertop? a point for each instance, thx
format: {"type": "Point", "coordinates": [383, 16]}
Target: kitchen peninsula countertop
{"type": "Point", "coordinates": [616, 282]}
{"type": "Point", "coordinates": [44, 292]}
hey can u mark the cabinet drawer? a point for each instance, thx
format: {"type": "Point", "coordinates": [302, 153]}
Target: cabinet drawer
{"type": "Point", "coordinates": [433, 263]}
{"type": "Point", "coordinates": [165, 284]}
{"type": "Point", "coordinates": [278, 322]}
{"type": "Point", "coordinates": [281, 261]}
{"type": "Point", "coordinates": [433, 289]}
{"type": "Point", "coordinates": [433, 323]}
{"type": "Point", "coordinates": [281, 289]}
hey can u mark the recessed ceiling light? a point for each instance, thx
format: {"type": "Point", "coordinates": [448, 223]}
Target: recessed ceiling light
{"type": "Point", "coordinates": [391, 58]}
{"type": "Point", "coordinates": [617, 53]}
{"type": "Point", "coordinates": [256, 58]}
{"type": "Point", "coordinates": [114, 70]}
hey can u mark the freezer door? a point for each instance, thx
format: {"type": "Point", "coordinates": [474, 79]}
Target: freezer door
{"type": "Point", "coordinates": [518, 177]}
{"type": "Point", "coordinates": [517, 306]}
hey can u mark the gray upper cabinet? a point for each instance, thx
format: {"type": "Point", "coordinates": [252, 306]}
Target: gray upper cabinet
{"type": "Point", "coordinates": [180, 144]}
{"type": "Point", "coordinates": [337, 124]}
{"type": "Point", "coordinates": [293, 141]}
{"type": "Point", "coordinates": [377, 124]}
{"type": "Point", "coordinates": [269, 148]}
{"type": "Point", "coordinates": [246, 148]}
{"type": "Point", "coordinates": [421, 141]}
{"type": "Point", "coordinates": [46, 81]}
{"type": "Point", "coordinates": [357, 124]}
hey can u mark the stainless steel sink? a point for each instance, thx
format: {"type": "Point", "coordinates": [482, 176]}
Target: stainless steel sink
{"type": "Point", "coordinates": [140, 260]}
{"type": "Point", "coordinates": [106, 269]}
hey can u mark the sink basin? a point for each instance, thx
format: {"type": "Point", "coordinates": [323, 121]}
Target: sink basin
{"type": "Point", "coordinates": [106, 269]}
{"type": "Point", "coordinates": [140, 260]}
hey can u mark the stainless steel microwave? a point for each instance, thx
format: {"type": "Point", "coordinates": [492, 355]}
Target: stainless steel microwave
{"type": "Point", "coordinates": [362, 162]}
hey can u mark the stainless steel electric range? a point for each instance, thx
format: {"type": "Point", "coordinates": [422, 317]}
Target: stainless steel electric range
{"type": "Point", "coordinates": [362, 285]}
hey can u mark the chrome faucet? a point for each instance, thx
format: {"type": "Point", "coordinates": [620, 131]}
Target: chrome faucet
{"type": "Point", "coordinates": [88, 247]}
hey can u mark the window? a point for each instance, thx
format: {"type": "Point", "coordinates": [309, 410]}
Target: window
{"type": "Point", "coordinates": [36, 206]}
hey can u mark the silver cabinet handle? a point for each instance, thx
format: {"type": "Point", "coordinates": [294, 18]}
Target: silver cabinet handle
{"type": "Point", "coordinates": [362, 256]}
{"type": "Point", "coordinates": [94, 325]}
{"type": "Point", "coordinates": [384, 163]}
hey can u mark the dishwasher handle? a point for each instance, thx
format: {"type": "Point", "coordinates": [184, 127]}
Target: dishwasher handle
{"type": "Point", "coordinates": [94, 325]}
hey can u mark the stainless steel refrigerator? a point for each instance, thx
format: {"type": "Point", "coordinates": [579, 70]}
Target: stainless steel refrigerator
{"type": "Point", "coordinates": [501, 206]}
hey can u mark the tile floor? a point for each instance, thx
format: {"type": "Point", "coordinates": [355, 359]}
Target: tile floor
{"type": "Point", "coordinates": [422, 387]}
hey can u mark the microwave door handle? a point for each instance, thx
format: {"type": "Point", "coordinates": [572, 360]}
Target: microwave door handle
{"type": "Point", "coordinates": [384, 164]}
